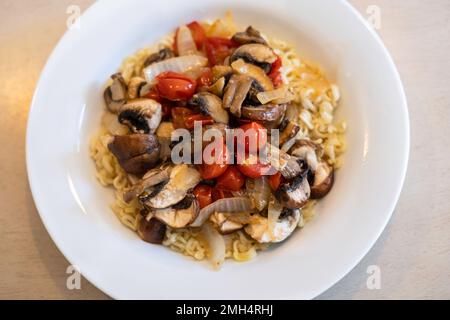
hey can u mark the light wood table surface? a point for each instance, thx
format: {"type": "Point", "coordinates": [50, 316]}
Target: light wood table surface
{"type": "Point", "coordinates": [413, 252]}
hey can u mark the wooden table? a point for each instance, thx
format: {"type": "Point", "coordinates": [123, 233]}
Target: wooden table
{"type": "Point", "coordinates": [413, 252]}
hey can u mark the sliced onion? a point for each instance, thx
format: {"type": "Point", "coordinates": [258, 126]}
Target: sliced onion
{"type": "Point", "coordinates": [177, 64]}
{"type": "Point", "coordinates": [222, 205]}
{"type": "Point", "coordinates": [215, 243]}
{"type": "Point", "coordinates": [273, 213]}
{"type": "Point", "coordinates": [185, 42]}
{"type": "Point", "coordinates": [278, 96]}
{"type": "Point", "coordinates": [259, 192]}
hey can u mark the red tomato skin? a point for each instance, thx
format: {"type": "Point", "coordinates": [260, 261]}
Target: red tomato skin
{"type": "Point", "coordinates": [203, 193]}
{"type": "Point", "coordinates": [179, 115]}
{"type": "Point", "coordinates": [214, 170]}
{"type": "Point", "coordinates": [275, 180]}
{"type": "Point", "coordinates": [198, 33]}
{"type": "Point", "coordinates": [190, 120]}
{"type": "Point", "coordinates": [260, 134]}
{"type": "Point", "coordinates": [275, 74]}
{"type": "Point", "coordinates": [217, 49]}
{"type": "Point", "coordinates": [175, 86]}
{"type": "Point", "coordinates": [232, 179]}
{"type": "Point", "coordinates": [218, 194]}
{"type": "Point", "coordinates": [205, 78]}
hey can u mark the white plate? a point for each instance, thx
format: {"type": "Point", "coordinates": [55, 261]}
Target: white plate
{"type": "Point", "coordinates": [74, 207]}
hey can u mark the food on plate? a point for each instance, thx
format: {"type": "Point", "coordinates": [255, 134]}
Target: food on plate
{"type": "Point", "coordinates": [252, 124]}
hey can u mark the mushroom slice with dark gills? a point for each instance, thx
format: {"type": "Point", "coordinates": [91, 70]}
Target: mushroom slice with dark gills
{"type": "Point", "coordinates": [235, 93]}
{"type": "Point", "coordinates": [259, 228]}
{"type": "Point", "coordinates": [136, 153]}
{"type": "Point", "coordinates": [288, 129]}
{"type": "Point", "coordinates": [257, 54]}
{"type": "Point", "coordinates": [182, 179]}
{"type": "Point", "coordinates": [179, 215]}
{"type": "Point", "coordinates": [150, 179]}
{"type": "Point", "coordinates": [211, 105]}
{"type": "Point", "coordinates": [250, 35]}
{"type": "Point", "coordinates": [152, 230]}
{"type": "Point", "coordinates": [116, 94]}
{"type": "Point", "coordinates": [294, 193]}
{"type": "Point", "coordinates": [161, 55]}
{"type": "Point", "coordinates": [141, 115]}
{"type": "Point", "coordinates": [306, 150]}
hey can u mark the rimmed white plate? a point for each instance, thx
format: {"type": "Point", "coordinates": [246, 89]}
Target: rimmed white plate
{"type": "Point", "coordinates": [66, 111]}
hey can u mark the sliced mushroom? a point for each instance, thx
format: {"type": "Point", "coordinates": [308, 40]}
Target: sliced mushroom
{"type": "Point", "coordinates": [211, 105]}
{"type": "Point", "coordinates": [323, 180]}
{"type": "Point", "coordinates": [134, 87]}
{"type": "Point", "coordinates": [116, 94]}
{"type": "Point", "coordinates": [295, 193]}
{"type": "Point", "coordinates": [216, 88]}
{"type": "Point", "coordinates": [136, 153]}
{"type": "Point", "coordinates": [257, 54]}
{"type": "Point", "coordinates": [266, 112]}
{"type": "Point", "coordinates": [228, 222]}
{"type": "Point", "coordinates": [179, 215]}
{"type": "Point", "coordinates": [220, 71]}
{"type": "Point", "coordinates": [306, 150]}
{"type": "Point", "coordinates": [141, 115]}
{"type": "Point", "coordinates": [151, 230]}
{"type": "Point", "coordinates": [250, 35]}
{"type": "Point", "coordinates": [288, 130]}
{"type": "Point", "coordinates": [152, 178]}
{"type": "Point", "coordinates": [161, 55]}
{"type": "Point", "coordinates": [286, 224]}
{"type": "Point", "coordinates": [235, 93]}
{"type": "Point", "coordinates": [182, 179]}
{"type": "Point", "coordinates": [261, 81]}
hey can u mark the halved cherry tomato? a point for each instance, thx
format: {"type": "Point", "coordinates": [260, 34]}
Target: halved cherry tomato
{"type": "Point", "coordinates": [253, 168]}
{"type": "Point", "coordinates": [205, 78]}
{"type": "Point", "coordinates": [198, 33]}
{"type": "Point", "coordinates": [275, 180]}
{"type": "Point", "coordinates": [190, 120]}
{"type": "Point", "coordinates": [218, 194]}
{"type": "Point", "coordinates": [232, 179]}
{"type": "Point", "coordinates": [153, 94]}
{"type": "Point", "coordinates": [217, 49]}
{"type": "Point", "coordinates": [275, 73]}
{"type": "Point", "coordinates": [203, 193]}
{"type": "Point", "coordinates": [211, 171]}
{"type": "Point", "coordinates": [179, 115]}
{"type": "Point", "coordinates": [253, 132]}
{"type": "Point", "coordinates": [175, 86]}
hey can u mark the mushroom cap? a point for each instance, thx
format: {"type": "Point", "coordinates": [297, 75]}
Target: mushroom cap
{"type": "Point", "coordinates": [141, 115]}
{"type": "Point", "coordinates": [295, 193]}
{"type": "Point", "coordinates": [258, 229]}
{"type": "Point", "coordinates": [266, 112]}
{"type": "Point", "coordinates": [235, 93]}
{"type": "Point", "coordinates": [151, 230]}
{"type": "Point", "coordinates": [115, 95]}
{"type": "Point", "coordinates": [179, 215]}
{"type": "Point", "coordinates": [255, 53]}
{"type": "Point", "coordinates": [136, 153]}
{"type": "Point", "coordinates": [161, 55]}
{"type": "Point", "coordinates": [182, 179]}
{"type": "Point", "coordinates": [211, 105]}
{"type": "Point", "coordinates": [250, 35]}
{"type": "Point", "coordinates": [261, 82]}
{"type": "Point", "coordinates": [323, 180]}
{"type": "Point", "coordinates": [306, 150]}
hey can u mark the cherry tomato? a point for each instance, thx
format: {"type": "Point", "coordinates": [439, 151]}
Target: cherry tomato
{"type": "Point", "coordinates": [198, 33]}
{"type": "Point", "coordinates": [218, 194]}
{"type": "Point", "coordinates": [205, 78]}
{"type": "Point", "coordinates": [179, 115]}
{"type": "Point", "coordinates": [153, 94]}
{"type": "Point", "coordinates": [203, 193]}
{"type": "Point", "coordinates": [232, 179]}
{"type": "Point", "coordinates": [175, 86]}
{"type": "Point", "coordinates": [275, 180]}
{"type": "Point", "coordinates": [211, 171]}
{"type": "Point", "coordinates": [253, 168]}
{"type": "Point", "coordinates": [217, 49]}
{"type": "Point", "coordinates": [190, 120]}
{"type": "Point", "coordinates": [253, 132]}
{"type": "Point", "coordinates": [275, 73]}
